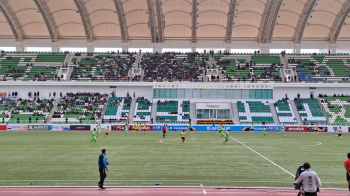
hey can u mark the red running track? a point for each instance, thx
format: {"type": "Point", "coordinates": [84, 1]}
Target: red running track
{"type": "Point", "coordinates": [159, 191]}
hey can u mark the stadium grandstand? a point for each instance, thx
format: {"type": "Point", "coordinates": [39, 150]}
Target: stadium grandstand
{"type": "Point", "coordinates": [248, 68]}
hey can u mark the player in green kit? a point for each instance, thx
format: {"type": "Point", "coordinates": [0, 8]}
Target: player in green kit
{"type": "Point", "coordinates": [93, 138]}
{"type": "Point", "coordinates": [126, 129]}
{"type": "Point", "coordinates": [264, 133]}
{"type": "Point", "coordinates": [221, 131]}
{"type": "Point", "coordinates": [138, 128]}
{"type": "Point", "coordinates": [283, 130]}
{"type": "Point", "coordinates": [226, 136]}
{"type": "Point", "coordinates": [98, 132]}
{"type": "Point", "coordinates": [189, 128]}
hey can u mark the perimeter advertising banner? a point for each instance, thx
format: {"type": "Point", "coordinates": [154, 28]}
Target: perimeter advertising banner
{"type": "Point", "coordinates": [305, 129]}
{"type": "Point", "coordinates": [121, 127]}
{"type": "Point", "coordinates": [3, 127]}
{"type": "Point", "coordinates": [216, 128]}
{"type": "Point", "coordinates": [17, 127]}
{"type": "Point", "coordinates": [38, 127]}
{"type": "Point", "coordinates": [59, 127]}
{"type": "Point", "coordinates": [80, 127]}
{"type": "Point", "coordinates": [335, 129]}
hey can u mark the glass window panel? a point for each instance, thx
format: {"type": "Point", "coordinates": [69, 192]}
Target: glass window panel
{"type": "Point", "coordinates": [188, 93]}
{"type": "Point", "coordinates": [162, 93]}
{"type": "Point", "coordinates": [264, 94]}
{"type": "Point", "coordinates": [270, 94]}
{"type": "Point", "coordinates": [204, 94]}
{"type": "Point", "coordinates": [180, 93]}
{"type": "Point", "coordinates": [199, 113]}
{"type": "Point", "coordinates": [221, 94]}
{"type": "Point", "coordinates": [252, 94]}
{"type": "Point", "coordinates": [156, 93]}
{"type": "Point", "coordinates": [258, 94]}
{"type": "Point", "coordinates": [196, 93]}
{"type": "Point", "coordinates": [173, 93]}
{"type": "Point", "coordinates": [213, 94]}
{"type": "Point", "coordinates": [237, 94]}
{"type": "Point", "coordinates": [206, 114]}
{"type": "Point", "coordinates": [245, 94]}
{"type": "Point", "coordinates": [167, 93]}
{"type": "Point", "coordinates": [229, 94]}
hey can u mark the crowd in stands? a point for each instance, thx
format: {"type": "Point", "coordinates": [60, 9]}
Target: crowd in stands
{"type": "Point", "coordinates": [173, 66]}
{"type": "Point", "coordinates": [78, 107]}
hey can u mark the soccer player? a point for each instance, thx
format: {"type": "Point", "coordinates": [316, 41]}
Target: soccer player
{"type": "Point", "coordinates": [339, 133]}
{"type": "Point", "coordinates": [138, 128]}
{"type": "Point", "coordinates": [93, 138]}
{"type": "Point", "coordinates": [183, 135]}
{"type": "Point", "coordinates": [226, 136]}
{"type": "Point", "coordinates": [316, 130]}
{"type": "Point", "coordinates": [221, 131]}
{"type": "Point", "coordinates": [107, 132]}
{"type": "Point", "coordinates": [283, 130]}
{"type": "Point", "coordinates": [264, 133]}
{"type": "Point", "coordinates": [164, 130]}
{"type": "Point", "coordinates": [133, 128]}
{"type": "Point", "coordinates": [126, 129]}
{"type": "Point", "coordinates": [347, 168]}
{"type": "Point", "coordinates": [252, 128]}
{"type": "Point", "coordinates": [98, 130]}
{"type": "Point", "coordinates": [144, 128]}
{"type": "Point", "coordinates": [189, 128]}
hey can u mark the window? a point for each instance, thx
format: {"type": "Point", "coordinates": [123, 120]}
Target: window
{"type": "Point", "coordinates": [8, 49]}
{"type": "Point", "coordinates": [73, 49]}
{"type": "Point", "coordinates": [108, 49]}
{"type": "Point", "coordinates": [38, 49]}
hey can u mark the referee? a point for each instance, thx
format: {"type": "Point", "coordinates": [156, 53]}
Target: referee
{"type": "Point", "coordinates": [102, 167]}
{"type": "Point", "coordinates": [347, 167]}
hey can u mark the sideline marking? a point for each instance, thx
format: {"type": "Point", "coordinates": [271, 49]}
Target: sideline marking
{"type": "Point", "coordinates": [263, 156]}
{"type": "Point", "coordinates": [317, 144]}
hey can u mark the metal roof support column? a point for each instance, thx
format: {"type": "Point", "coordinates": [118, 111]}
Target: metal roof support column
{"type": "Point", "coordinates": [272, 19]}
{"type": "Point", "coordinates": [151, 21]}
{"type": "Point", "coordinates": [161, 21]}
{"type": "Point", "coordinates": [49, 20]}
{"type": "Point", "coordinates": [122, 21]}
{"type": "Point", "coordinates": [264, 21]}
{"type": "Point", "coordinates": [339, 22]}
{"type": "Point", "coordinates": [194, 20]}
{"type": "Point", "coordinates": [12, 19]}
{"type": "Point", "coordinates": [85, 19]}
{"type": "Point", "coordinates": [230, 18]}
{"type": "Point", "coordinates": [305, 14]}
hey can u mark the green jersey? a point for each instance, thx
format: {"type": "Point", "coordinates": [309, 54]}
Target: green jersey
{"type": "Point", "coordinates": [98, 129]}
{"type": "Point", "coordinates": [221, 129]}
{"type": "Point", "coordinates": [93, 136]}
{"type": "Point", "coordinates": [126, 128]}
{"type": "Point", "coordinates": [226, 134]}
{"type": "Point", "coordinates": [283, 128]}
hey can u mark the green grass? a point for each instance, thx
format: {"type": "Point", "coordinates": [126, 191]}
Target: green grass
{"type": "Point", "coordinates": [65, 159]}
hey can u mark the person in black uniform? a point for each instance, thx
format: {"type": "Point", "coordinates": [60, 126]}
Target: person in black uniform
{"type": "Point", "coordinates": [102, 167]}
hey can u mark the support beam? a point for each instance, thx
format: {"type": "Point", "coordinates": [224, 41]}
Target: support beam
{"type": "Point", "coordinates": [55, 46]}
{"type": "Point", "coordinates": [297, 48]}
{"type": "Point", "coordinates": [84, 14]}
{"type": "Point", "coordinates": [151, 21]}
{"type": "Point", "coordinates": [122, 21]}
{"type": "Point", "coordinates": [264, 21]}
{"type": "Point", "coordinates": [12, 19]}
{"type": "Point", "coordinates": [305, 14]}
{"type": "Point", "coordinates": [339, 22]}
{"type": "Point", "coordinates": [49, 20]}
{"type": "Point", "coordinates": [161, 21]}
{"type": "Point", "coordinates": [272, 19]}
{"type": "Point", "coordinates": [194, 20]}
{"type": "Point", "coordinates": [230, 18]}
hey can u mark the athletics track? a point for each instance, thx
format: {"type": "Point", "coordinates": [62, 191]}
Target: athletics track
{"type": "Point", "coordinates": [157, 191]}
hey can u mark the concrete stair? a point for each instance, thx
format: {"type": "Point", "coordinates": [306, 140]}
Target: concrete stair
{"type": "Point", "coordinates": [274, 114]}
{"type": "Point", "coordinates": [154, 111]}
{"type": "Point", "coordinates": [235, 114]}
{"type": "Point", "coordinates": [54, 108]}
{"type": "Point", "coordinates": [296, 113]}
{"type": "Point", "coordinates": [132, 110]}
{"type": "Point", "coordinates": [193, 113]}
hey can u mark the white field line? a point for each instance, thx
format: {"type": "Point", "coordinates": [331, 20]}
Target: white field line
{"type": "Point", "coordinates": [204, 192]}
{"type": "Point", "coordinates": [263, 157]}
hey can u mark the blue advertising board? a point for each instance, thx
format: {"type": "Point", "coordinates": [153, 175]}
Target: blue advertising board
{"type": "Point", "coordinates": [216, 128]}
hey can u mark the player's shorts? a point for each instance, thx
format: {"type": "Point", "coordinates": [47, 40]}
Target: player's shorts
{"type": "Point", "coordinates": [339, 134]}
{"type": "Point", "coordinates": [347, 176]}
{"type": "Point", "coordinates": [93, 138]}
{"type": "Point", "coordinates": [183, 138]}
{"type": "Point", "coordinates": [252, 129]}
{"type": "Point", "coordinates": [106, 133]}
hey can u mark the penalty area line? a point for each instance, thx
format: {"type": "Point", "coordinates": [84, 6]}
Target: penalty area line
{"type": "Point", "coordinates": [267, 159]}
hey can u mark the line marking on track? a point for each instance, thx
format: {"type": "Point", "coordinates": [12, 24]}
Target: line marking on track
{"type": "Point", "coordinates": [263, 157]}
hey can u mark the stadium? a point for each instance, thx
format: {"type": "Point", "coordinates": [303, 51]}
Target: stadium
{"type": "Point", "coordinates": [217, 97]}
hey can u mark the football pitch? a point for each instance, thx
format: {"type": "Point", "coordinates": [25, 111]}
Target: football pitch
{"type": "Point", "coordinates": [247, 160]}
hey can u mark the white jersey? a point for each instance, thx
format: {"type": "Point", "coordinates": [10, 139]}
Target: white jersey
{"type": "Point", "coordinates": [310, 181]}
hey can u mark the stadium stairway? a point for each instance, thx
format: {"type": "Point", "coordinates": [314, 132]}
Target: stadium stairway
{"type": "Point", "coordinates": [235, 113]}
{"type": "Point", "coordinates": [274, 114]}
{"type": "Point", "coordinates": [295, 111]}
{"type": "Point", "coordinates": [193, 112]}
{"type": "Point", "coordinates": [154, 111]}
{"type": "Point", "coordinates": [132, 110]}
{"type": "Point", "coordinates": [54, 108]}
{"type": "Point", "coordinates": [211, 62]}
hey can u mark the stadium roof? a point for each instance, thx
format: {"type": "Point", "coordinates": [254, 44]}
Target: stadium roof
{"type": "Point", "coordinates": [159, 20]}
